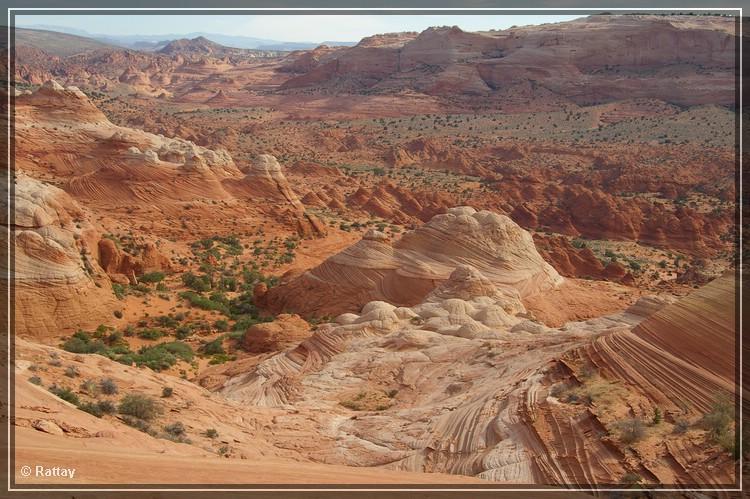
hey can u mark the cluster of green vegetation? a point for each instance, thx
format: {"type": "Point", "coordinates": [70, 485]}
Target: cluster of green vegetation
{"type": "Point", "coordinates": [112, 345]}
{"type": "Point", "coordinates": [719, 422]}
{"type": "Point", "coordinates": [97, 407]}
{"type": "Point", "coordinates": [140, 289]}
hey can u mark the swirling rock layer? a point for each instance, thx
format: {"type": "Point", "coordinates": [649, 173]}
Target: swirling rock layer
{"type": "Point", "coordinates": [404, 272]}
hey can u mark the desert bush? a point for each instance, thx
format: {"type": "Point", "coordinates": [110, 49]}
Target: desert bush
{"type": "Point", "coordinates": [150, 334]}
{"type": "Point", "coordinates": [139, 424]}
{"type": "Point", "coordinates": [204, 303]}
{"type": "Point", "coordinates": [139, 406]}
{"type": "Point", "coordinates": [213, 347]}
{"type": "Point", "coordinates": [167, 321]}
{"type": "Point", "coordinates": [197, 283]}
{"type": "Point", "coordinates": [81, 342]}
{"type": "Point", "coordinates": [717, 421]}
{"type": "Point", "coordinates": [99, 408]}
{"type": "Point", "coordinates": [119, 290]}
{"type": "Point", "coordinates": [71, 372]}
{"type": "Point", "coordinates": [167, 391]}
{"type": "Point", "coordinates": [221, 358]}
{"type": "Point", "coordinates": [106, 407]}
{"type": "Point", "coordinates": [681, 425]}
{"type": "Point", "coordinates": [108, 386]}
{"type": "Point", "coordinates": [90, 387]}
{"type": "Point", "coordinates": [211, 433]}
{"type": "Point", "coordinates": [183, 332]}
{"type": "Point", "coordinates": [35, 380]}
{"type": "Point", "coordinates": [152, 277]}
{"type": "Point", "coordinates": [631, 430]}
{"type": "Point", "coordinates": [65, 393]}
{"type": "Point", "coordinates": [177, 429]}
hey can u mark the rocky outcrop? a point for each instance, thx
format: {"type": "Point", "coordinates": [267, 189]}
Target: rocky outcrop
{"type": "Point", "coordinates": [613, 57]}
{"type": "Point", "coordinates": [393, 202]}
{"type": "Point", "coordinates": [264, 181]}
{"type": "Point", "coordinates": [578, 262]}
{"type": "Point", "coordinates": [286, 331]}
{"type": "Point", "coordinates": [124, 267]}
{"type": "Point", "coordinates": [406, 271]}
{"type": "Point", "coordinates": [461, 383]}
{"type": "Point", "coordinates": [59, 286]}
{"type": "Point", "coordinates": [97, 162]}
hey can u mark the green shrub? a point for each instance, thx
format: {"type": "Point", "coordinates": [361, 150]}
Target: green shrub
{"type": "Point", "coordinates": [90, 387]}
{"type": "Point", "coordinates": [150, 334]}
{"type": "Point", "coordinates": [631, 430]}
{"type": "Point", "coordinates": [72, 372]}
{"type": "Point", "coordinates": [159, 357]}
{"type": "Point", "coordinates": [65, 393]}
{"type": "Point", "coordinates": [139, 424]}
{"type": "Point", "coordinates": [119, 290]}
{"type": "Point", "coordinates": [108, 386]}
{"type": "Point", "coordinates": [35, 380]}
{"type": "Point", "coordinates": [178, 348]}
{"type": "Point", "coordinates": [92, 408]}
{"type": "Point", "coordinates": [213, 347]}
{"type": "Point", "coordinates": [243, 304]}
{"type": "Point", "coordinates": [197, 283]}
{"type": "Point", "coordinates": [152, 277]}
{"type": "Point", "coordinates": [167, 321]}
{"type": "Point", "coordinates": [681, 425]}
{"type": "Point", "coordinates": [139, 406]}
{"type": "Point", "coordinates": [202, 302]}
{"type": "Point", "coordinates": [221, 325]}
{"type": "Point", "coordinates": [245, 322]}
{"type": "Point", "coordinates": [106, 407]}
{"type": "Point", "coordinates": [183, 332]}
{"type": "Point", "coordinates": [211, 433]}
{"type": "Point", "coordinates": [81, 342]}
{"type": "Point", "coordinates": [221, 358]}
{"type": "Point", "coordinates": [167, 391]}
{"type": "Point", "coordinates": [175, 429]}
{"type": "Point", "coordinates": [98, 408]}
{"type": "Point", "coordinates": [719, 420]}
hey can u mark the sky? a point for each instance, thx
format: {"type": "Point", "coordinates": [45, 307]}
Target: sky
{"type": "Point", "coordinates": [291, 28]}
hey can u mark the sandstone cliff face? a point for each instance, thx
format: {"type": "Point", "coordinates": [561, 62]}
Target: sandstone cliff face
{"type": "Point", "coordinates": [679, 360]}
{"type": "Point", "coordinates": [404, 272]}
{"type": "Point", "coordinates": [572, 262]}
{"type": "Point", "coordinates": [59, 286]}
{"type": "Point", "coordinates": [595, 59]}
{"type": "Point", "coordinates": [98, 162]}
{"type": "Point", "coordinates": [125, 268]}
